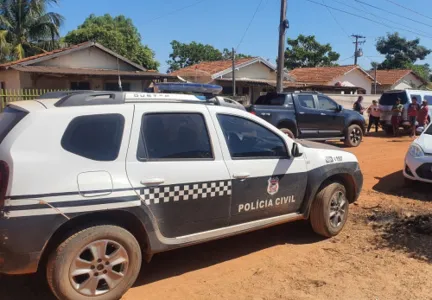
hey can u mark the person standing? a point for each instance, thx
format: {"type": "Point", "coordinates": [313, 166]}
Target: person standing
{"type": "Point", "coordinates": [396, 116]}
{"type": "Point", "coordinates": [358, 107]}
{"type": "Point", "coordinates": [422, 116]}
{"type": "Point", "coordinates": [374, 115]}
{"type": "Point", "coordinates": [413, 110]}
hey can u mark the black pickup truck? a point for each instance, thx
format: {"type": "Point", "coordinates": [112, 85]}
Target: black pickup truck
{"type": "Point", "coordinates": [309, 115]}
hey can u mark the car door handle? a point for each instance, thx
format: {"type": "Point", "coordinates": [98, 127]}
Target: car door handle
{"type": "Point", "coordinates": [302, 113]}
{"type": "Point", "coordinates": [151, 181]}
{"type": "Point", "coordinates": [323, 114]}
{"type": "Point", "coordinates": [243, 175]}
{"type": "Point", "coordinates": [266, 114]}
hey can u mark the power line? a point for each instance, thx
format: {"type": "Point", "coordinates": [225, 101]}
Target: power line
{"type": "Point", "coordinates": [337, 22]}
{"type": "Point", "coordinates": [392, 13]}
{"type": "Point", "coordinates": [407, 8]}
{"type": "Point", "coordinates": [365, 18]}
{"type": "Point", "coordinates": [380, 17]}
{"type": "Point", "coordinates": [176, 10]}
{"type": "Point", "coordinates": [249, 25]}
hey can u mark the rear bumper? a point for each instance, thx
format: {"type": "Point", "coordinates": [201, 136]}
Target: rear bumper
{"type": "Point", "coordinates": [19, 263]}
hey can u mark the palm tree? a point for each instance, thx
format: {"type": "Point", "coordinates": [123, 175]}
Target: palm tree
{"type": "Point", "coordinates": [27, 29]}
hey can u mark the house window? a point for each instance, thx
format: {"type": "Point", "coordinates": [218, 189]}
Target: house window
{"type": "Point", "coordinates": [245, 91]}
{"type": "Point", "coordinates": [2, 85]}
{"type": "Point", "coordinates": [227, 90]}
{"type": "Point", "coordinates": [80, 85]}
{"type": "Point", "coordinates": [114, 86]}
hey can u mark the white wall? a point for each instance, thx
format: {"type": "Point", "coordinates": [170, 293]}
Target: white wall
{"type": "Point", "coordinates": [356, 78]}
{"type": "Point", "coordinates": [90, 58]}
{"type": "Point", "coordinates": [11, 78]}
{"type": "Point", "coordinates": [408, 82]}
{"type": "Point", "coordinates": [254, 71]}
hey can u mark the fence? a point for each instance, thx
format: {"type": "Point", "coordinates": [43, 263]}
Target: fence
{"type": "Point", "coordinates": [11, 95]}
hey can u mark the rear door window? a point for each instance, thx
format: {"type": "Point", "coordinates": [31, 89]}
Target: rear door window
{"type": "Point", "coordinates": [174, 136]}
{"type": "Point", "coordinates": [389, 99]}
{"type": "Point", "coordinates": [428, 99]}
{"type": "Point", "coordinates": [271, 99]}
{"type": "Point", "coordinates": [8, 119]}
{"type": "Point", "coordinates": [306, 101]}
{"type": "Point", "coordinates": [97, 137]}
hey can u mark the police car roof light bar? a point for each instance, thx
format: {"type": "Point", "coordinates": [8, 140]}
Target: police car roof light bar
{"type": "Point", "coordinates": [191, 88]}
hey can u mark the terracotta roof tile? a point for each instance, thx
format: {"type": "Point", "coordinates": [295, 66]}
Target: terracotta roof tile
{"type": "Point", "coordinates": [210, 67]}
{"type": "Point", "coordinates": [390, 77]}
{"type": "Point", "coordinates": [16, 62]}
{"type": "Point", "coordinates": [320, 75]}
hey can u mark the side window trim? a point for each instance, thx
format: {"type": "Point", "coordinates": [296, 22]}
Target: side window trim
{"type": "Point", "coordinates": [288, 156]}
{"type": "Point", "coordinates": [142, 147]}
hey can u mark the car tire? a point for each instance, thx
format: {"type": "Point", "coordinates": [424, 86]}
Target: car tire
{"type": "Point", "coordinates": [388, 130]}
{"type": "Point", "coordinates": [288, 132]}
{"type": "Point", "coordinates": [329, 211]}
{"type": "Point", "coordinates": [353, 136]}
{"type": "Point", "coordinates": [75, 273]}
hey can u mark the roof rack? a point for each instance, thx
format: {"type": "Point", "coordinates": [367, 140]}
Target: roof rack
{"type": "Point", "coordinates": [106, 98]}
{"type": "Point", "coordinates": [194, 88]}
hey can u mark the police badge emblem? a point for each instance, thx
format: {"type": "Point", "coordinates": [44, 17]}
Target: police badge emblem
{"type": "Point", "coordinates": [273, 185]}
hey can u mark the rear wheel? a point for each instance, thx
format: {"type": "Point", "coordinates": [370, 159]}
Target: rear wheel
{"type": "Point", "coordinates": [100, 262]}
{"type": "Point", "coordinates": [329, 210]}
{"type": "Point", "coordinates": [353, 136]}
{"type": "Point", "coordinates": [288, 132]}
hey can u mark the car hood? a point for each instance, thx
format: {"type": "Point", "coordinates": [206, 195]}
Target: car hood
{"type": "Point", "coordinates": [315, 145]}
{"type": "Point", "coordinates": [425, 141]}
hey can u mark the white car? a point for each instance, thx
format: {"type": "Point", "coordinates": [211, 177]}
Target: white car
{"type": "Point", "coordinates": [418, 160]}
{"type": "Point", "coordinates": [94, 183]}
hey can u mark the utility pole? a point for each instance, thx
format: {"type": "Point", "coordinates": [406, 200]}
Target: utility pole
{"type": "Point", "coordinates": [358, 42]}
{"type": "Point", "coordinates": [283, 26]}
{"type": "Point", "coordinates": [233, 72]}
{"type": "Point", "coordinates": [375, 81]}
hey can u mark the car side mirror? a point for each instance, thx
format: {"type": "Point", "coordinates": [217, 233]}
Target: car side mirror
{"type": "Point", "coordinates": [297, 150]}
{"type": "Point", "coordinates": [339, 108]}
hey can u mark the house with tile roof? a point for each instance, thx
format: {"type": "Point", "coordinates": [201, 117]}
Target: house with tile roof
{"type": "Point", "coordinates": [397, 80]}
{"type": "Point", "coordinates": [80, 67]}
{"type": "Point", "coordinates": [338, 76]}
{"type": "Point", "coordinates": [254, 76]}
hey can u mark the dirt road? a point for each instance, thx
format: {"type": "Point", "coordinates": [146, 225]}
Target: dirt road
{"type": "Point", "coordinates": [384, 252]}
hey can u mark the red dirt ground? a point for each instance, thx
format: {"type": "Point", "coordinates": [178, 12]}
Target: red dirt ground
{"type": "Point", "coordinates": [377, 256]}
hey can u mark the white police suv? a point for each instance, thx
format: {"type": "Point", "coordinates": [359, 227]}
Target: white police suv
{"type": "Point", "coordinates": [94, 182]}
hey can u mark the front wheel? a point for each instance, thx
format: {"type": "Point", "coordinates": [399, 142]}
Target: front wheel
{"type": "Point", "coordinates": [353, 136]}
{"type": "Point", "coordinates": [329, 211]}
{"type": "Point", "coordinates": [100, 262]}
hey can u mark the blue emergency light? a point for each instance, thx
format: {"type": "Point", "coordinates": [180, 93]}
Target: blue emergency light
{"type": "Point", "coordinates": [191, 88]}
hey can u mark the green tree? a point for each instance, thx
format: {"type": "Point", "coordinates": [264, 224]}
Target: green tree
{"type": "Point", "coordinates": [424, 71]}
{"type": "Point", "coordinates": [26, 28]}
{"type": "Point", "coordinates": [116, 33]}
{"type": "Point", "coordinates": [399, 52]}
{"type": "Point", "coordinates": [227, 54]}
{"type": "Point", "coordinates": [306, 51]}
{"type": "Point", "coordinates": [184, 55]}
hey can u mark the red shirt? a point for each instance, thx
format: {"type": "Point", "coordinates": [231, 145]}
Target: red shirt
{"type": "Point", "coordinates": [423, 114]}
{"type": "Point", "coordinates": [413, 110]}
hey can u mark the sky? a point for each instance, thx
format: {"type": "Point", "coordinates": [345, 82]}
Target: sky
{"type": "Point", "coordinates": [223, 23]}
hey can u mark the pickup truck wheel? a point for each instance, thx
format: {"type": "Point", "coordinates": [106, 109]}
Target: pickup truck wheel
{"type": "Point", "coordinates": [329, 210]}
{"type": "Point", "coordinates": [353, 136]}
{"type": "Point", "coordinates": [288, 132]}
{"type": "Point", "coordinates": [99, 262]}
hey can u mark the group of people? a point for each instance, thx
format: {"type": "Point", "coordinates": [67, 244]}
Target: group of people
{"type": "Point", "coordinates": [417, 114]}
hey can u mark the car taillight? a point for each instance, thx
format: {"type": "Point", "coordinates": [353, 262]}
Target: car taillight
{"type": "Point", "coordinates": [4, 180]}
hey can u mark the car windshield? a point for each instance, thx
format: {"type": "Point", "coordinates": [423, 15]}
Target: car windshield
{"type": "Point", "coordinates": [391, 97]}
{"type": "Point", "coordinates": [428, 130]}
